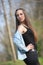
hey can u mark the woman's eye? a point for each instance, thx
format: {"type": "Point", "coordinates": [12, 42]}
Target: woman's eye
{"type": "Point", "coordinates": [21, 14]}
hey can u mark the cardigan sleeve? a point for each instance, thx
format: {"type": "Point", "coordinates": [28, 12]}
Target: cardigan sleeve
{"type": "Point", "coordinates": [19, 44]}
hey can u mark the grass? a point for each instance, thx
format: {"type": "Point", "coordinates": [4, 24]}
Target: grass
{"type": "Point", "coordinates": [41, 60]}
{"type": "Point", "coordinates": [19, 62]}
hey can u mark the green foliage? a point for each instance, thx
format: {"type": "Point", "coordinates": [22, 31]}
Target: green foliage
{"type": "Point", "coordinates": [40, 46]}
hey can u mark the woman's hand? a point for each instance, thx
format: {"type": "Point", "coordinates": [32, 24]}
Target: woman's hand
{"type": "Point", "coordinates": [30, 46]}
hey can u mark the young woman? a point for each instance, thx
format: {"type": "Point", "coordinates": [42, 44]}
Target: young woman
{"type": "Point", "coordinates": [25, 39]}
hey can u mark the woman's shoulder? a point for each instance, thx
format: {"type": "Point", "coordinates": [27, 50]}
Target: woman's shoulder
{"type": "Point", "coordinates": [20, 26]}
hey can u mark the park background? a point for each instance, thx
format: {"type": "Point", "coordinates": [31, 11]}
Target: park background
{"type": "Point", "coordinates": [34, 9]}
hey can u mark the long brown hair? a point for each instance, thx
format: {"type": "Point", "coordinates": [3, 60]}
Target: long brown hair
{"type": "Point", "coordinates": [26, 22]}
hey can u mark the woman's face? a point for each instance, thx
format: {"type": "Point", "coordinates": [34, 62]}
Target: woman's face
{"type": "Point", "coordinates": [20, 16]}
